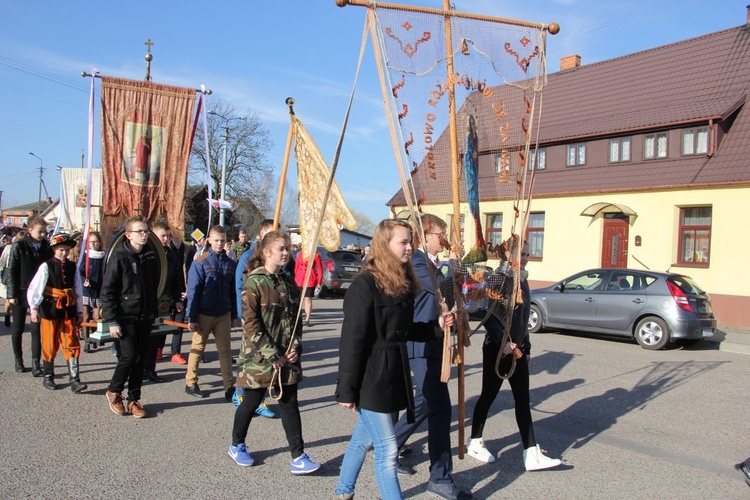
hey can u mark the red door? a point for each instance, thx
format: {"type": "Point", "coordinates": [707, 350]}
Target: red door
{"type": "Point", "coordinates": [615, 241]}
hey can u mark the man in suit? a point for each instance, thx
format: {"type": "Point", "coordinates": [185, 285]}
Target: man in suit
{"type": "Point", "coordinates": [431, 398]}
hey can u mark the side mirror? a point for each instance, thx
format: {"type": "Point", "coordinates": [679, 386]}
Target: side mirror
{"type": "Point", "coordinates": [560, 287]}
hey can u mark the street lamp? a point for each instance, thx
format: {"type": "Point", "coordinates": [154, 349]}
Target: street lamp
{"type": "Point", "coordinates": [224, 162]}
{"type": "Point", "coordinates": [41, 171]}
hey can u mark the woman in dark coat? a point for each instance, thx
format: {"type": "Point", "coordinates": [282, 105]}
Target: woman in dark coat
{"type": "Point", "coordinates": [374, 378]}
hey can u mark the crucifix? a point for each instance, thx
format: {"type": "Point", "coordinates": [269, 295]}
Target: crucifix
{"type": "Point", "coordinates": [149, 57]}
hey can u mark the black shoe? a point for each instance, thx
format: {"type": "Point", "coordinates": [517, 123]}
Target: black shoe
{"type": "Point", "coordinates": [448, 490]}
{"type": "Point", "coordinates": [403, 451]}
{"type": "Point", "coordinates": [77, 386]}
{"type": "Point", "coordinates": [744, 467]}
{"type": "Point", "coordinates": [36, 368]}
{"type": "Point", "coordinates": [404, 469]}
{"type": "Point", "coordinates": [49, 383]}
{"type": "Point", "coordinates": [234, 361]}
{"type": "Point", "coordinates": [153, 377]}
{"type": "Point", "coordinates": [7, 320]}
{"type": "Point", "coordinates": [19, 365]}
{"type": "Point", "coordinates": [194, 390]}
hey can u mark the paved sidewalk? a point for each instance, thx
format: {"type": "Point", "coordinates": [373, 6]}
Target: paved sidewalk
{"type": "Point", "coordinates": [732, 339]}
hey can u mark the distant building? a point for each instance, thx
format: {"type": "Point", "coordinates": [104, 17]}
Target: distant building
{"type": "Point", "coordinates": [642, 162]}
{"type": "Point", "coordinates": [20, 215]}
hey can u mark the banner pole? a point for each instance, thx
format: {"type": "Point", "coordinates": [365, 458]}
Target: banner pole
{"type": "Point", "coordinates": [285, 166]}
{"type": "Point", "coordinates": [453, 128]}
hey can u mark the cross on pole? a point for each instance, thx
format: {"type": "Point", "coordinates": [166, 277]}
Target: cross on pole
{"type": "Point", "coordinates": [149, 57]}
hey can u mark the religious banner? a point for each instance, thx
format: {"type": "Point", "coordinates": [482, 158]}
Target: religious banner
{"type": "Point", "coordinates": [146, 144]}
{"type": "Point", "coordinates": [75, 194]}
{"type": "Point", "coordinates": [312, 179]}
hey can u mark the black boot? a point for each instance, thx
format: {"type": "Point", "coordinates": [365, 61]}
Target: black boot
{"type": "Point", "coordinates": [19, 365]}
{"type": "Point", "coordinates": [75, 382]}
{"type": "Point", "coordinates": [49, 376]}
{"type": "Point", "coordinates": [36, 370]}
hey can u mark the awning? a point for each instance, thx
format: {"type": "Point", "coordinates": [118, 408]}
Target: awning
{"type": "Point", "coordinates": [608, 208]}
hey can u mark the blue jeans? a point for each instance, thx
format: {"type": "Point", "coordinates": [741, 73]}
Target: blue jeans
{"type": "Point", "coordinates": [372, 430]}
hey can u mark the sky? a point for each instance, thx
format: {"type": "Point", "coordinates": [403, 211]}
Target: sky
{"type": "Point", "coordinates": [255, 54]}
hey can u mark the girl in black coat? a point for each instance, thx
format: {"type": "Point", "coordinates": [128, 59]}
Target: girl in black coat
{"type": "Point", "coordinates": [374, 378]}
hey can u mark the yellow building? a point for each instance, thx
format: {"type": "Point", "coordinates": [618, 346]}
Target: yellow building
{"type": "Point", "coordinates": [643, 161]}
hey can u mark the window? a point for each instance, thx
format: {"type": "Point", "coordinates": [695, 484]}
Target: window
{"type": "Point", "coordinates": [695, 141]}
{"type": "Point", "coordinates": [655, 146]}
{"type": "Point", "coordinates": [494, 230]}
{"type": "Point", "coordinates": [695, 236]}
{"type": "Point", "coordinates": [535, 236]}
{"type": "Point", "coordinates": [460, 228]}
{"type": "Point", "coordinates": [576, 155]}
{"type": "Point", "coordinates": [619, 149]}
{"type": "Point", "coordinates": [537, 159]}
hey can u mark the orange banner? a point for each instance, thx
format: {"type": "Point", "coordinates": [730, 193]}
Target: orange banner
{"type": "Point", "coordinates": [146, 144]}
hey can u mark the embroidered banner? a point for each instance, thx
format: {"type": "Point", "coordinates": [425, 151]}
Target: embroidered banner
{"type": "Point", "coordinates": [146, 143]}
{"type": "Point", "coordinates": [75, 196]}
{"type": "Point", "coordinates": [312, 179]}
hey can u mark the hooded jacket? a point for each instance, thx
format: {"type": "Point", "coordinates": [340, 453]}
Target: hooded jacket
{"type": "Point", "coordinates": [130, 284]}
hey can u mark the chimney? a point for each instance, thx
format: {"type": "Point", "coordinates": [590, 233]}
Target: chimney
{"type": "Point", "coordinates": [571, 62]}
{"type": "Point", "coordinates": [748, 14]}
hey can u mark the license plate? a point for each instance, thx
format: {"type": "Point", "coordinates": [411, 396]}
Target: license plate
{"type": "Point", "coordinates": [345, 285]}
{"type": "Point", "coordinates": [351, 269]}
{"type": "Point", "coordinates": [707, 332]}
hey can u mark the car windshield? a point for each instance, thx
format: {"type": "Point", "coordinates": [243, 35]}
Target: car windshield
{"type": "Point", "coordinates": [588, 281]}
{"type": "Point", "coordinates": [686, 284]}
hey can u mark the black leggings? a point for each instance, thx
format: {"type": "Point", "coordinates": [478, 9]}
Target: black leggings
{"type": "Point", "coordinates": [491, 383]}
{"type": "Point", "coordinates": [290, 418]}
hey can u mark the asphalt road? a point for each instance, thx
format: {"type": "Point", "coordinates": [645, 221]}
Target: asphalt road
{"type": "Point", "coordinates": [628, 423]}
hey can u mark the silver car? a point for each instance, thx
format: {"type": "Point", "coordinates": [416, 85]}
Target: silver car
{"type": "Point", "coordinates": [655, 308]}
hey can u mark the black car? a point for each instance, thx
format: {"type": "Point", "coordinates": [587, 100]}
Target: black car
{"type": "Point", "coordinates": [340, 267]}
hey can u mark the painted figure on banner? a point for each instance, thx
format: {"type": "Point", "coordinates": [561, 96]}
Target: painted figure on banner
{"type": "Point", "coordinates": [81, 196]}
{"type": "Point", "coordinates": [142, 154]}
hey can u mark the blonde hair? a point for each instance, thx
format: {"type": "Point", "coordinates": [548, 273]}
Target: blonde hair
{"type": "Point", "coordinates": [395, 278]}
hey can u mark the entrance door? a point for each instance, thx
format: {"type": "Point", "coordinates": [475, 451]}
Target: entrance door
{"type": "Point", "coordinates": [615, 241]}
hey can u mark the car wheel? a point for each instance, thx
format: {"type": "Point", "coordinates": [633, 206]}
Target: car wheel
{"type": "Point", "coordinates": [535, 319]}
{"type": "Point", "coordinates": [652, 333]}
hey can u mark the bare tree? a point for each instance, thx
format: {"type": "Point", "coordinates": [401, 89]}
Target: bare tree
{"type": "Point", "coordinates": [248, 143]}
{"type": "Point", "coordinates": [365, 225]}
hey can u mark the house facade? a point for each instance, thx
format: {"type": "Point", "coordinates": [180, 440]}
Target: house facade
{"type": "Point", "coordinates": [643, 161]}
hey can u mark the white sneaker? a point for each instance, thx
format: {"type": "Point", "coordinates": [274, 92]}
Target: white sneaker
{"type": "Point", "coordinates": [534, 459]}
{"type": "Point", "coordinates": [477, 450]}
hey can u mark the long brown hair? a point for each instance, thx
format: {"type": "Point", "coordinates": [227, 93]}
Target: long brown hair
{"type": "Point", "coordinates": [258, 259]}
{"type": "Point", "coordinates": [395, 278]}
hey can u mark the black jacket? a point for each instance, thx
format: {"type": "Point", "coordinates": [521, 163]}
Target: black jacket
{"type": "Point", "coordinates": [372, 352]}
{"type": "Point", "coordinates": [23, 264]}
{"type": "Point", "coordinates": [131, 280]}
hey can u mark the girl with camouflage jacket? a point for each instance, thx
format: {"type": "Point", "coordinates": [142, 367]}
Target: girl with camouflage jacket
{"type": "Point", "coordinates": [270, 344]}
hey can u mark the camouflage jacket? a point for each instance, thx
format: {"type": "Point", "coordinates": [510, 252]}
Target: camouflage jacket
{"type": "Point", "coordinates": [269, 306]}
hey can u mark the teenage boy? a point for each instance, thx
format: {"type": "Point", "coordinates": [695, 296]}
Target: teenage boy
{"type": "Point", "coordinates": [172, 291]}
{"type": "Point", "coordinates": [184, 254]}
{"type": "Point", "coordinates": [54, 296]}
{"type": "Point", "coordinates": [25, 258]}
{"type": "Point", "coordinates": [212, 299]}
{"type": "Point", "coordinates": [129, 305]}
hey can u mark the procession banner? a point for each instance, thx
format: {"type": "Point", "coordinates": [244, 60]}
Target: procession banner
{"type": "Point", "coordinates": [312, 179]}
{"type": "Point", "coordinates": [76, 194]}
{"type": "Point", "coordinates": [146, 144]}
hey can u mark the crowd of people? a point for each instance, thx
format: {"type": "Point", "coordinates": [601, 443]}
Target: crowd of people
{"type": "Point", "coordinates": [390, 352]}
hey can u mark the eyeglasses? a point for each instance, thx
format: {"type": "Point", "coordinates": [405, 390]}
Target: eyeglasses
{"type": "Point", "coordinates": [442, 235]}
{"type": "Point", "coordinates": [140, 231]}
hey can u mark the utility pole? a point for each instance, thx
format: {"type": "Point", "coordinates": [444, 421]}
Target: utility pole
{"type": "Point", "coordinates": [41, 180]}
{"type": "Point", "coordinates": [222, 185]}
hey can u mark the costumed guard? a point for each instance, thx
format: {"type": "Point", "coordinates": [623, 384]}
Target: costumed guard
{"type": "Point", "coordinates": [53, 297]}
